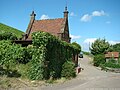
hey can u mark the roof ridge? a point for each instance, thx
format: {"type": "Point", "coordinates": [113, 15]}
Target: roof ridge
{"type": "Point", "coordinates": [49, 19]}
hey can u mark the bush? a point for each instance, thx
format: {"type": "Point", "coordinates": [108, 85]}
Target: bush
{"type": "Point", "coordinates": [99, 59]}
{"type": "Point", "coordinates": [110, 64]}
{"type": "Point", "coordinates": [36, 65]}
{"type": "Point", "coordinates": [11, 55]}
{"type": "Point", "coordinates": [7, 36]}
{"type": "Point", "coordinates": [43, 60]}
{"type": "Point", "coordinates": [68, 70]}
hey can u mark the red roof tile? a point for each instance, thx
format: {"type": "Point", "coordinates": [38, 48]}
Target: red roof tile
{"type": "Point", "coordinates": [112, 54]}
{"type": "Point", "coordinates": [52, 26]}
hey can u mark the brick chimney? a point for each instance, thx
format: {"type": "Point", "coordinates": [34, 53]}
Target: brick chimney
{"type": "Point", "coordinates": [32, 18]}
{"type": "Point", "coordinates": [66, 13]}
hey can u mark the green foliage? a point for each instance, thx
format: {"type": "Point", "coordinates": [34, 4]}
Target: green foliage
{"type": "Point", "coordinates": [110, 65]}
{"type": "Point", "coordinates": [99, 46]}
{"type": "Point", "coordinates": [115, 48]}
{"type": "Point", "coordinates": [86, 53]}
{"type": "Point", "coordinates": [7, 58]}
{"type": "Point", "coordinates": [77, 46]}
{"type": "Point", "coordinates": [11, 55]}
{"type": "Point", "coordinates": [68, 70]}
{"type": "Point", "coordinates": [7, 36]}
{"type": "Point", "coordinates": [99, 59]}
{"type": "Point", "coordinates": [56, 53]}
{"type": "Point", "coordinates": [36, 70]}
{"type": "Point", "coordinates": [4, 28]}
{"type": "Point", "coordinates": [42, 60]}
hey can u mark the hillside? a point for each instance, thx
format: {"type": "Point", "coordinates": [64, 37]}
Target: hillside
{"type": "Point", "coordinates": [5, 28]}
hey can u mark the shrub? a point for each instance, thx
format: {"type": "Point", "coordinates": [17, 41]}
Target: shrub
{"type": "Point", "coordinates": [11, 55]}
{"type": "Point", "coordinates": [110, 64]}
{"type": "Point", "coordinates": [7, 36]}
{"type": "Point", "coordinates": [99, 59]}
{"type": "Point", "coordinates": [36, 65]}
{"type": "Point", "coordinates": [68, 70]}
{"type": "Point", "coordinates": [7, 55]}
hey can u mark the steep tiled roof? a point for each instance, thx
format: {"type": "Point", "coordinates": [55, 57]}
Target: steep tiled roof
{"type": "Point", "coordinates": [53, 26]}
{"type": "Point", "coordinates": [112, 54]}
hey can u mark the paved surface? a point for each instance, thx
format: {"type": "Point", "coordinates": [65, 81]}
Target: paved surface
{"type": "Point", "coordinates": [91, 78]}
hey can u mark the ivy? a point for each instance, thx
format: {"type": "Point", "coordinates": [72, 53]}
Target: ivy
{"type": "Point", "coordinates": [56, 53]}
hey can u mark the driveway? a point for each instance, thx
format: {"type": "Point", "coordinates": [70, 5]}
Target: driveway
{"type": "Point", "coordinates": [91, 78]}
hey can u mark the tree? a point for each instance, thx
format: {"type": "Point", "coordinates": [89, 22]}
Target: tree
{"type": "Point", "coordinates": [100, 46]}
{"type": "Point", "coordinates": [77, 46]}
{"type": "Point", "coordinates": [115, 47]}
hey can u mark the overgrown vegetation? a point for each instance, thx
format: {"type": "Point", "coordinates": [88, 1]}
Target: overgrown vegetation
{"type": "Point", "coordinates": [55, 53]}
{"type": "Point", "coordinates": [110, 64]}
{"type": "Point", "coordinates": [99, 59]}
{"type": "Point", "coordinates": [68, 70]}
{"type": "Point", "coordinates": [115, 48]}
{"type": "Point", "coordinates": [7, 36]}
{"type": "Point", "coordinates": [98, 49]}
{"type": "Point", "coordinates": [45, 59]}
{"type": "Point", "coordinates": [77, 46]}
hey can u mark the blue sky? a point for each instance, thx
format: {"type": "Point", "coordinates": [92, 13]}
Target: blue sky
{"type": "Point", "coordinates": [88, 19]}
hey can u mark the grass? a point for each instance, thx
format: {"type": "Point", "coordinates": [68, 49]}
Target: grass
{"type": "Point", "coordinates": [4, 83]}
{"type": "Point", "coordinates": [13, 83]}
{"type": "Point", "coordinates": [5, 28]}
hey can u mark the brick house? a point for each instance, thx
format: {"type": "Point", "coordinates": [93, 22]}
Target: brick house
{"type": "Point", "coordinates": [110, 55]}
{"type": "Point", "coordinates": [58, 27]}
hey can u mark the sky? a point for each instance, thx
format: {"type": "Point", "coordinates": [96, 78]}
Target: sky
{"type": "Point", "coordinates": [88, 19]}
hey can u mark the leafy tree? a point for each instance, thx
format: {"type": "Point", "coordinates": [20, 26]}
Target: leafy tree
{"type": "Point", "coordinates": [77, 46]}
{"type": "Point", "coordinates": [115, 47]}
{"type": "Point", "coordinates": [99, 46]}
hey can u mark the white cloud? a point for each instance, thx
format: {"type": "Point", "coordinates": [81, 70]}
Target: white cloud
{"type": "Point", "coordinates": [113, 42]}
{"type": "Point", "coordinates": [89, 17]}
{"type": "Point", "coordinates": [89, 40]}
{"type": "Point", "coordinates": [108, 22]}
{"type": "Point", "coordinates": [98, 13]}
{"type": "Point", "coordinates": [74, 36]}
{"type": "Point", "coordinates": [87, 43]}
{"type": "Point", "coordinates": [44, 17]}
{"type": "Point", "coordinates": [86, 18]}
{"type": "Point", "coordinates": [72, 14]}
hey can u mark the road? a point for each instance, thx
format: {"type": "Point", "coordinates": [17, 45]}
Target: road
{"type": "Point", "coordinates": [91, 78]}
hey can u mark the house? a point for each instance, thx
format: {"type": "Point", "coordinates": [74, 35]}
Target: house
{"type": "Point", "coordinates": [58, 27]}
{"type": "Point", "coordinates": [110, 55]}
